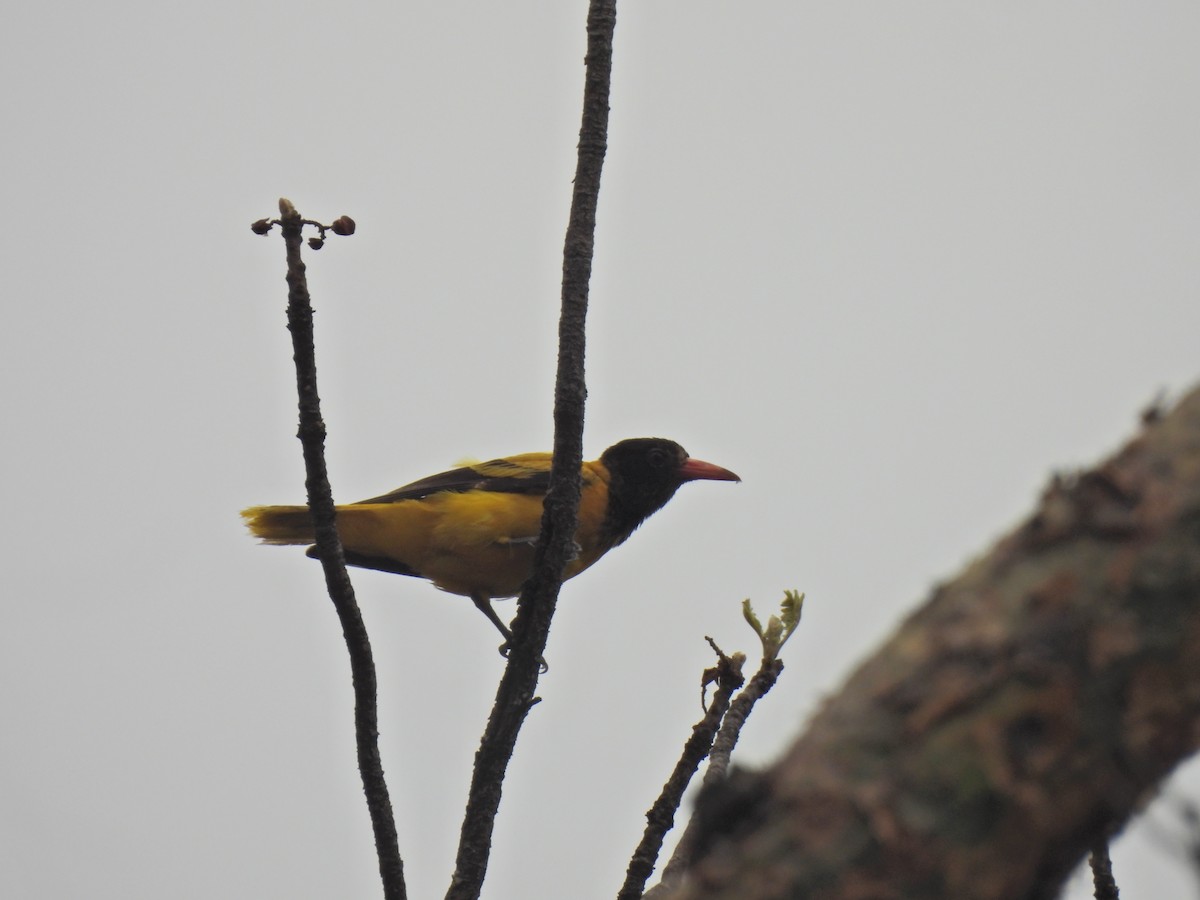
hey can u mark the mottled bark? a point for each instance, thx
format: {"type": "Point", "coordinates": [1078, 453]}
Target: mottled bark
{"type": "Point", "coordinates": [1018, 717]}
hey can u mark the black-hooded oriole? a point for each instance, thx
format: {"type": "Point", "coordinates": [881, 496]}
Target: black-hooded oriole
{"type": "Point", "coordinates": [472, 530]}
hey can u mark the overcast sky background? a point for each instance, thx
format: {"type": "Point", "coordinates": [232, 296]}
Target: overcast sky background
{"type": "Point", "coordinates": [894, 264]}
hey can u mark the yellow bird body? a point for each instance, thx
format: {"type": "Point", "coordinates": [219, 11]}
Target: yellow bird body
{"type": "Point", "coordinates": [472, 530]}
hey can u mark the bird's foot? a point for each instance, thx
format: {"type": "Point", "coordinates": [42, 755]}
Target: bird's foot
{"type": "Point", "coordinates": [543, 666]}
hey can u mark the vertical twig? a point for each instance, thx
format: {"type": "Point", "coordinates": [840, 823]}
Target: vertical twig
{"type": "Point", "coordinates": [1190, 814]}
{"type": "Point", "coordinates": [329, 546]}
{"type": "Point", "coordinates": [1103, 883]}
{"type": "Point", "coordinates": [535, 608]}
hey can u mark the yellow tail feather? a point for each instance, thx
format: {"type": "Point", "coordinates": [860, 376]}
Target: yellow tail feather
{"type": "Point", "coordinates": [280, 524]}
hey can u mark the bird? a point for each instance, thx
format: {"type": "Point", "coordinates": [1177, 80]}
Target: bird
{"type": "Point", "coordinates": [472, 530]}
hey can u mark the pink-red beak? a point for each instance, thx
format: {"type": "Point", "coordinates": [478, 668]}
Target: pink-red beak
{"type": "Point", "coordinates": [699, 470]}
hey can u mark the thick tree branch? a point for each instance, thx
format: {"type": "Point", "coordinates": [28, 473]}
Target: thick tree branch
{"type": "Point", "coordinates": [320, 502]}
{"type": "Point", "coordinates": [535, 608]}
{"type": "Point", "coordinates": [1011, 723]}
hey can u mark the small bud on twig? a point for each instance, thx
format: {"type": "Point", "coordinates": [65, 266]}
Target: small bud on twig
{"type": "Point", "coordinates": [342, 225]}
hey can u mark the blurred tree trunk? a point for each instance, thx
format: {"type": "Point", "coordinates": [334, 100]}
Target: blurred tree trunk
{"type": "Point", "coordinates": [1023, 713]}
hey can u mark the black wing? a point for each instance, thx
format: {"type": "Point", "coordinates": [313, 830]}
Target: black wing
{"type": "Point", "coordinates": [525, 474]}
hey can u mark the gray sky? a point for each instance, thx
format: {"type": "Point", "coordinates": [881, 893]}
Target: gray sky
{"type": "Point", "coordinates": [892, 263]}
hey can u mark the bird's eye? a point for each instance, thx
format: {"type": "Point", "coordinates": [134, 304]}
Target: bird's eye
{"type": "Point", "coordinates": [657, 457]}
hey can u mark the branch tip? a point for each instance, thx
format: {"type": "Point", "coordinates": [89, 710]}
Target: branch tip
{"type": "Point", "coordinates": [779, 628]}
{"type": "Point", "coordinates": [343, 226]}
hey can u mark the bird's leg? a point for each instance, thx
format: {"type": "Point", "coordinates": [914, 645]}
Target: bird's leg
{"type": "Point", "coordinates": [484, 604]}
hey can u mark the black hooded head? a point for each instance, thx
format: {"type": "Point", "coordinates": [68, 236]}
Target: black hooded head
{"type": "Point", "coordinates": [644, 473]}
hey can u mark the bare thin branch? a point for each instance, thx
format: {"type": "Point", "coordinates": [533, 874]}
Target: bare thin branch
{"type": "Point", "coordinates": [661, 816]}
{"type": "Point", "coordinates": [535, 608]}
{"type": "Point", "coordinates": [320, 502]}
{"type": "Point", "coordinates": [1103, 884]}
{"type": "Point", "coordinates": [718, 761]}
